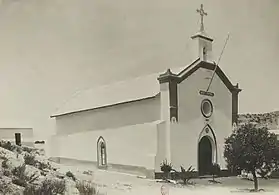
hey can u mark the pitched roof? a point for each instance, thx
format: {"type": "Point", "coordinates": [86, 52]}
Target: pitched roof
{"type": "Point", "coordinates": [135, 89]}
{"type": "Point", "coordinates": [139, 88]}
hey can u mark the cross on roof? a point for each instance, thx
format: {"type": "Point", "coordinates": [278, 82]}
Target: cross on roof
{"type": "Point", "coordinates": [202, 14]}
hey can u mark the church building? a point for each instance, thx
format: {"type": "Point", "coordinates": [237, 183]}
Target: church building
{"type": "Point", "coordinates": [182, 115]}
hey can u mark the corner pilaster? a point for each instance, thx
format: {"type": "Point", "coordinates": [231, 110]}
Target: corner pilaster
{"type": "Point", "coordinates": [169, 81]}
{"type": "Point", "coordinates": [235, 94]}
{"type": "Point", "coordinates": [169, 111]}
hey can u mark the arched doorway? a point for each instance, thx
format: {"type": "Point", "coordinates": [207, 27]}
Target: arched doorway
{"type": "Point", "coordinates": [205, 156]}
{"type": "Point", "coordinates": [101, 153]}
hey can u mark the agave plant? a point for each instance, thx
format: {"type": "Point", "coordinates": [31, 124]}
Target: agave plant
{"type": "Point", "coordinates": [166, 168]}
{"type": "Point", "coordinates": [186, 175]}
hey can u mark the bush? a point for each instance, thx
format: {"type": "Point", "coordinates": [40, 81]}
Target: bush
{"type": "Point", "coordinates": [7, 145]}
{"type": "Point", "coordinates": [20, 182]}
{"type": "Point", "coordinates": [187, 175]}
{"type": "Point", "coordinates": [31, 190]}
{"type": "Point", "coordinates": [86, 188]}
{"type": "Point", "coordinates": [53, 186]}
{"type": "Point", "coordinates": [7, 173]}
{"type": "Point", "coordinates": [27, 149]}
{"type": "Point", "coordinates": [4, 163]}
{"type": "Point", "coordinates": [29, 159]}
{"type": "Point", "coordinates": [42, 165]}
{"type": "Point", "coordinates": [166, 168]}
{"type": "Point", "coordinates": [71, 175]}
{"type": "Point", "coordinates": [20, 178]}
{"type": "Point", "coordinates": [19, 171]}
{"type": "Point", "coordinates": [215, 170]}
{"type": "Point", "coordinates": [5, 188]}
{"type": "Point", "coordinates": [48, 187]}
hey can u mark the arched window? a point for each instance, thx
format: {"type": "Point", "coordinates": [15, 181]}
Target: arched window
{"type": "Point", "coordinates": [101, 152]}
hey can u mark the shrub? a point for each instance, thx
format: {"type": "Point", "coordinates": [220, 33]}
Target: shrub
{"type": "Point", "coordinates": [42, 165]}
{"type": "Point", "coordinates": [166, 168]}
{"type": "Point", "coordinates": [53, 186]}
{"type": "Point", "coordinates": [7, 145]}
{"type": "Point", "coordinates": [43, 173]}
{"type": "Point", "coordinates": [19, 171]}
{"type": "Point", "coordinates": [4, 163]}
{"type": "Point", "coordinates": [31, 190]}
{"type": "Point", "coordinates": [86, 188]}
{"type": "Point", "coordinates": [29, 159]}
{"type": "Point", "coordinates": [215, 170]}
{"type": "Point", "coordinates": [27, 149]}
{"type": "Point", "coordinates": [187, 175]}
{"type": "Point", "coordinates": [20, 182]}
{"type": "Point", "coordinates": [71, 175]}
{"type": "Point", "coordinates": [20, 178]}
{"type": "Point", "coordinates": [7, 173]}
{"type": "Point", "coordinates": [5, 188]}
{"type": "Point", "coordinates": [48, 187]}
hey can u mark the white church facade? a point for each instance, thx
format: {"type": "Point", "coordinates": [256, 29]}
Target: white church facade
{"type": "Point", "coordinates": [136, 124]}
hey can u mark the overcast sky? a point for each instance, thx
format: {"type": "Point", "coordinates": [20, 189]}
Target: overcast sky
{"type": "Point", "coordinates": [49, 49]}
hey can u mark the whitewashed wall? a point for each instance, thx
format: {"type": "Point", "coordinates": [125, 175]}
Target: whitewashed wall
{"type": "Point", "coordinates": [185, 135]}
{"type": "Point", "coordinates": [131, 145]}
{"type": "Point", "coordinates": [161, 145]}
{"type": "Point", "coordinates": [140, 112]}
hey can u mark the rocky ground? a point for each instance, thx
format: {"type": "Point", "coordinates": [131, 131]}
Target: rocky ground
{"type": "Point", "coordinates": [26, 171]}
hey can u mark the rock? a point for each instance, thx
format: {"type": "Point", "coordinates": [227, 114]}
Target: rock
{"type": "Point", "coordinates": [88, 172]}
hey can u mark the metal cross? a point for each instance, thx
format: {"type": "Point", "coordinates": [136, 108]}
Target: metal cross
{"type": "Point", "coordinates": [202, 14]}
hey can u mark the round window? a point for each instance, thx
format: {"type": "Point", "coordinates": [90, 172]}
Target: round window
{"type": "Point", "coordinates": [206, 108]}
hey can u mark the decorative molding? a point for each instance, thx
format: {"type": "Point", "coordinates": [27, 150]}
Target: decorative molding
{"type": "Point", "coordinates": [209, 66]}
{"type": "Point", "coordinates": [212, 136]}
{"type": "Point", "coordinates": [207, 115]}
{"type": "Point", "coordinates": [171, 79]}
{"type": "Point", "coordinates": [202, 36]}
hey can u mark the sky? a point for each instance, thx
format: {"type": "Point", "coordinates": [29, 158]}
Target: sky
{"type": "Point", "coordinates": [50, 49]}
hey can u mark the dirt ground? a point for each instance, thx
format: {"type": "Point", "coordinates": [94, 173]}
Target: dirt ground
{"type": "Point", "coordinates": [116, 183]}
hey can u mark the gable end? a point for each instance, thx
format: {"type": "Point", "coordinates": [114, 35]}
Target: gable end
{"type": "Point", "coordinates": [189, 70]}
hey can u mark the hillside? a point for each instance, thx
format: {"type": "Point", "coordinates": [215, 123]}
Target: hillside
{"type": "Point", "coordinates": [26, 171]}
{"type": "Point", "coordinates": [269, 120]}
